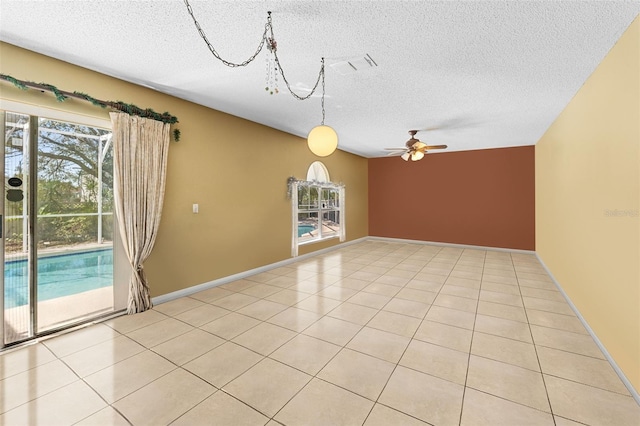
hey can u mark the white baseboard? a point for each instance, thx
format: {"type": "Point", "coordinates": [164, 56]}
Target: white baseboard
{"type": "Point", "coordinates": [224, 280]}
{"type": "Point", "coordinates": [435, 243]}
{"type": "Point", "coordinates": [607, 355]}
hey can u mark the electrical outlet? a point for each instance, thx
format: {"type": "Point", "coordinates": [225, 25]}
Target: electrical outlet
{"type": "Point", "coordinates": [195, 208]}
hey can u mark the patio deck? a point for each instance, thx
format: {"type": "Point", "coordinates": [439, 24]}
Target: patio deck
{"type": "Point", "coordinates": [57, 312]}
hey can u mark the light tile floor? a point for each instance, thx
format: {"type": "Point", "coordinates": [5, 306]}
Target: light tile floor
{"type": "Point", "coordinates": [375, 333]}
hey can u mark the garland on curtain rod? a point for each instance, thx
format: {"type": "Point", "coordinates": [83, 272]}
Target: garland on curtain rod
{"type": "Point", "coordinates": [62, 95]}
{"type": "Point", "coordinates": [292, 179]}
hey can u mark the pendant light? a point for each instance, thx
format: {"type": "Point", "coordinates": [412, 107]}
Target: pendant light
{"type": "Point", "coordinates": [322, 140]}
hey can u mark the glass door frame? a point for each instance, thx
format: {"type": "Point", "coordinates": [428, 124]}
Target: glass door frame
{"type": "Point", "coordinates": [120, 276]}
{"type": "Point", "coordinates": [2, 230]}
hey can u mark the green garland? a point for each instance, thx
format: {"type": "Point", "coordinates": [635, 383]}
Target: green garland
{"type": "Point", "coordinates": [62, 95]}
{"type": "Point", "coordinates": [18, 83]}
{"type": "Point", "coordinates": [88, 98]}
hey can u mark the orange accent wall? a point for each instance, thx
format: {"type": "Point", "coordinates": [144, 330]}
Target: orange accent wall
{"type": "Point", "coordinates": [484, 197]}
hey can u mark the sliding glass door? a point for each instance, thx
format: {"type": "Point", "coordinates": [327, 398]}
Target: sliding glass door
{"type": "Point", "coordinates": [57, 224]}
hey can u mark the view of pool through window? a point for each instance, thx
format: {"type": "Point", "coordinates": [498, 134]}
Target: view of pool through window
{"type": "Point", "coordinates": [59, 275]}
{"type": "Point", "coordinates": [305, 229]}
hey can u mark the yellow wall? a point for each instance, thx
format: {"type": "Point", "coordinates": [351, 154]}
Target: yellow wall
{"type": "Point", "coordinates": [236, 170]}
{"type": "Point", "coordinates": [587, 170]}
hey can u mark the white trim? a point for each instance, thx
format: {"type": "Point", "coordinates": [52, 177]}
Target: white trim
{"type": "Point", "coordinates": [224, 280]}
{"type": "Point", "coordinates": [607, 355]}
{"type": "Point", "coordinates": [317, 240]}
{"type": "Point", "coordinates": [294, 218]}
{"type": "Point", "coordinates": [435, 243]}
{"type": "Point", "coordinates": [343, 221]}
{"type": "Point", "coordinates": [55, 114]}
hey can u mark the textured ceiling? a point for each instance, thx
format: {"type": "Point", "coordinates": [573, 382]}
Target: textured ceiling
{"type": "Point", "coordinates": [488, 74]}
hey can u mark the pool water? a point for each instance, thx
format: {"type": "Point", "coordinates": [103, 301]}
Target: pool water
{"type": "Point", "coordinates": [304, 229]}
{"type": "Point", "coordinates": [58, 276]}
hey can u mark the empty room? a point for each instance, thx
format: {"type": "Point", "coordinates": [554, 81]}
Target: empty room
{"type": "Point", "coordinates": [314, 212]}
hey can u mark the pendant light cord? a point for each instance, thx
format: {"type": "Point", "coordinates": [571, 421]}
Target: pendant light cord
{"type": "Point", "coordinates": [268, 30]}
{"type": "Point", "coordinates": [322, 99]}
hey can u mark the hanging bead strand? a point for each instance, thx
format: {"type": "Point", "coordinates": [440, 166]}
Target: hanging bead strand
{"type": "Point", "coordinates": [272, 67]}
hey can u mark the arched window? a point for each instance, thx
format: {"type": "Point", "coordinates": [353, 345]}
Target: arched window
{"type": "Point", "coordinates": [317, 207]}
{"type": "Point", "coordinates": [318, 172]}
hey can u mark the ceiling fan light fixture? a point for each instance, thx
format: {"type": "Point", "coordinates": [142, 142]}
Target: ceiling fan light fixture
{"type": "Point", "coordinates": [414, 149]}
{"type": "Point", "coordinates": [322, 140]}
{"type": "Point", "coordinates": [417, 155]}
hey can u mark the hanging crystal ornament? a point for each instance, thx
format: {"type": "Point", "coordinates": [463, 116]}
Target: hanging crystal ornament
{"type": "Point", "coordinates": [264, 41]}
{"type": "Point", "coordinates": [322, 139]}
{"type": "Point", "coordinates": [272, 67]}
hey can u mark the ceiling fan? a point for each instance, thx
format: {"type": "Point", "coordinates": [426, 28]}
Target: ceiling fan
{"type": "Point", "coordinates": [414, 150]}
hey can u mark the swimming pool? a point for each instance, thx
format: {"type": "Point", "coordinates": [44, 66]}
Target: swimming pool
{"type": "Point", "coordinates": [304, 229]}
{"type": "Point", "coordinates": [58, 276]}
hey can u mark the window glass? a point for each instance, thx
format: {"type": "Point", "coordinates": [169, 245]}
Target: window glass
{"type": "Point", "coordinates": [318, 209]}
{"type": "Point", "coordinates": [317, 172]}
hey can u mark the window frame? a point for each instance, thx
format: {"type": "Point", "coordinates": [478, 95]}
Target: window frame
{"type": "Point", "coordinates": [338, 208]}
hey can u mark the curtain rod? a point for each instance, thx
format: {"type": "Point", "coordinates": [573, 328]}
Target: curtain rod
{"type": "Point", "coordinates": [62, 95]}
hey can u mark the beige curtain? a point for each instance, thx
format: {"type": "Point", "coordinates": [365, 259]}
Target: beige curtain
{"type": "Point", "coordinates": [140, 148]}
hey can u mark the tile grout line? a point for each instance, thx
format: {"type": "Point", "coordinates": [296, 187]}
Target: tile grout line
{"type": "Point", "coordinates": [361, 328]}
{"type": "Point", "coordinates": [297, 333]}
{"type": "Point", "coordinates": [316, 374]}
{"type": "Point", "coordinates": [535, 346]}
{"type": "Point", "coordinates": [473, 331]}
{"type": "Point", "coordinates": [82, 379]}
{"type": "Point", "coordinates": [95, 390]}
{"type": "Point", "coordinates": [403, 352]}
{"type": "Point", "coordinates": [412, 338]}
{"type": "Point", "coordinates": [218, 389]}
{"type": "Point", "coordinates": [221, 388]}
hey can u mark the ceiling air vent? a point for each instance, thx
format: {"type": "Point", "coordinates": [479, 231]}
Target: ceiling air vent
{"type": "Point", "coordinates": [353, 65]}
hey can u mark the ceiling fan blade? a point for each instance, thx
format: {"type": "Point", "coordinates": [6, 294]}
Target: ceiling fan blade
{"type": "Point", "coordinates": [394, 154]}
{"type": "Point", "coordinates": [406, 156]}
{"type": "Point", "coordinates": [395, 149]}
{"type": "Point", "coordinates": [426, 147]}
